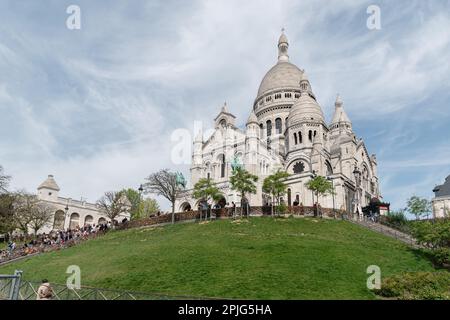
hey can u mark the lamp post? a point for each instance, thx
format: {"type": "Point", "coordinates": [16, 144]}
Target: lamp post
{"type": "Point", "coordinates": [66, 213]}
{"type": "Point", "coordinates": [332, 193]}
{"type": "Point", "coordinates": [140, 189]}
{"type": "Point", "coordinates": [357, 174]}
{"type": "Point", "coordinates": [314, 175]}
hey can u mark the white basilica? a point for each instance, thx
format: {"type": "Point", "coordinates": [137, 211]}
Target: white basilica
{"type": "Point", "coordinates": [287, 130]}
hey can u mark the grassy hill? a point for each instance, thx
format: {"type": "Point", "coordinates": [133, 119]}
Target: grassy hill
{"type": "Point", "coordinates": [259, 258]}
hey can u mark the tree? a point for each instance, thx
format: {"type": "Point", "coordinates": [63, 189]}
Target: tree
{"type": "Point", "coordinates": [418, 207]}
{"type": "Point", "coordinates": [205, 190]}
{"type": "Point", "coordinates": [148, 206]}
{"type": "Point", "coordinates": [4, 180]}
{"type": "Point", "coordinates": [113, 203]}
{"type": "Point", "coordinates": [320, 186]}
{"type": "Point", "coordinates": [275, 186]}
{"type": "Point", "coordinates": [135, 199]}
{"type": "Point", "coordinates": [7, 223]}
{"type": "Point", "coordinates": [164, 183]}
{"type": "Point", "coordinates": [243, 182]}
{"type": "Point", "coordinates": [40, 216]}
{"type": "Point", "coordinates": [23, 207]}
{"type": "Point", "coordinates": [28, 212]}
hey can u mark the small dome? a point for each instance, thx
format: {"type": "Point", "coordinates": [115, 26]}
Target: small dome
{"type": "Point", "coordinates": [306, 108]}
{"type": "Point", "coordinates": [284, 75]}
{"type": "Point", "coordinates": [49, 183]}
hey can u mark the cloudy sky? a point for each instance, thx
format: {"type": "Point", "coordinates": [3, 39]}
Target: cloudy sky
{"type": "Point", "coordinates": [96, 107]}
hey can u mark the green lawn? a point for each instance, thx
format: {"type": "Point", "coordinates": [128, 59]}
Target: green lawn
{"type": "Point", "coordinates": [262, 258]}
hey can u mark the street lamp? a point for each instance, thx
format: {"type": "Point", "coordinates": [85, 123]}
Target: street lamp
{"type": "Point", "coordinates": [66, 213]}
{"type": "Point", "coordinates": [357, 174]}
{"type": "Point", "coordinates": [332, 193]}
{"type": "Point", "coordinates": [314, 175]}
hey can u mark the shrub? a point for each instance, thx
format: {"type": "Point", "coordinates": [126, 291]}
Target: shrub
{"type": "Point", "coordinates": [397, 218]}
{"type": "Point", "coordinates": [417, 286]}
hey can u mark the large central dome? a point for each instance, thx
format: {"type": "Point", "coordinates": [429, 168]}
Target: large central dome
{"type": "Point", "coordinates": [284, 75]}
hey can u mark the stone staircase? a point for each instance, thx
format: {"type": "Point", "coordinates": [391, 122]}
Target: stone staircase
{"type": "Point", "coordinates": [387, 231]}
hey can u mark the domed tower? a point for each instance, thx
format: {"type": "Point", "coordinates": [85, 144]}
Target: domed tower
{"type": "Point", "coordinates": [277, 93]}
{"type": "Point", "coordinates": [306, 132]}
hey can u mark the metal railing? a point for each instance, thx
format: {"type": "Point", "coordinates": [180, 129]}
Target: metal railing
{"type": "Point", "coordinates": [28, 291]}
{"type": "Point", "coordinates": [10, 286]}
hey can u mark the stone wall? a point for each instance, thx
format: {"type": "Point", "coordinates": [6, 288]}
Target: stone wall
{"type": "Point", "coordinates": [226, 213]}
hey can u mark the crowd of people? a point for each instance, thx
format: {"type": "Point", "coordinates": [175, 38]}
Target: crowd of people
{"type": "Point", "coordinates": [54, 240]}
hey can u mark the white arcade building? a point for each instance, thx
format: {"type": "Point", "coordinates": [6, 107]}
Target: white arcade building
{"type": "Point", "coordinates": [69, 213]}
{"type": "Point", "coordinates": [286, 130]}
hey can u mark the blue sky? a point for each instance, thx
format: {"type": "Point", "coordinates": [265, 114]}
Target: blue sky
{"type": "Point", "coordinates": [96, 107]}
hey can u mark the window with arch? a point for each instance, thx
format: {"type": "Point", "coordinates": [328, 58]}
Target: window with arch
{"type": "Point", "coordinates": [295, 138]}
{"type": "Point", "coordinates": [329, 168]}
{"type": "Point", "coordinates": [297, 95]}
{"type": "Point", "coordinates": [300, 137]}
{"type": "Point", "coordinates": [278, 125]}
{"type": "Point", "coordinates": [223, 123]}
{"type": "Point", "coordinates": [310, 136]}
{"type": "Point", "coordinates": [269, 128]}
{"type": "Point", "coordinates": [288, 95]}
{"type": "Point", "coordinates": [261, 130]}
{"type": "Point", "coordinates": [278, 96]}
{"type": "Point", "coordinates": [222, 166]}
{"type": "Point", "coordinates": [58, 223]}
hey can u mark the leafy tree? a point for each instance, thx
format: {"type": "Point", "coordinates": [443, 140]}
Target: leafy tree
{"type": "Point", "coordinates": [4, 180]}
{"type": "Point", "coordinates": [113, 203]}
{"type": "Point", "coordinates": [434, 235]}
{"type": "Point", "coordinates": [243, 182]}
{"type": "Point", "coordinates": [418, 207]}
{"type": "Point", "coordinates": [164, 183]}
{"type": "Point", "coordinates": [135, 199]}
{"type": "Point", "coordinates": [275, 186]}
{"type": "Point", "coordinates": [148, 207]}
{"type": "Point", "coordinates": [205, 190]}
{"type": "Point", "coordinates": [320, 186]}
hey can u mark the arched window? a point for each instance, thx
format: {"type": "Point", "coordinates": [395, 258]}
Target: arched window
{"type": "Point", "coordinates": [278, 125]}
{"type": "Point", "coordinates": [58, 223]}
{"type": "Point", "coordinates": [222, 166]}
{"type": "Point", "coordinates": [300, 137]}
{"type": "Point", "coordinates": [261, 130]}
{"type": "Point", "coordinates": [269, 128]}
{"type": "Point", "coordinates": [223, 123]}
{"type": "Point", "coordinates": [295, 138]}
{"type": "Point", "coordinates": [310, 136]}
{"type": "Point", "coordinates": [74, 220]}
{"type": "Point", "coordinates": [88, 220]}
{"type": "Point", "coordinates": [101, 221]}
{"type": "Point", "coordinates": [329, 168]}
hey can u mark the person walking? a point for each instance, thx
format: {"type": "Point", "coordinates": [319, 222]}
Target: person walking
{"type": "Point", "coordinates": [45, 291]}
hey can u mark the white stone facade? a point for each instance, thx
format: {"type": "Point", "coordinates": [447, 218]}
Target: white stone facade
{"type": "Point", "coordinates": [286, 130]}
{"type": "Point", "coordinates": [441, 201]}
{"type": "Point", "coordinates": [69, 213]}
